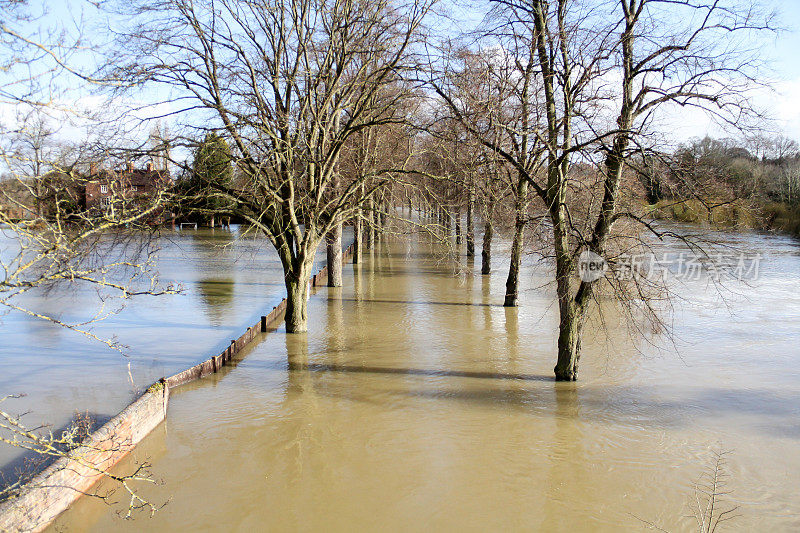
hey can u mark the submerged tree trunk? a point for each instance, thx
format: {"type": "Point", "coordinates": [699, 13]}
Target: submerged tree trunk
{"type": "Point", "coordinates": [458, 227]}
{"type": "Point", "coordinates": [567, 328]}
{"type": "Point", "coordinates": [470, 228]}
{"type": "Point", "coordinates": [521, 208]}
{"type": "Point", "coordinates": [512, 283]}
{"type": "Point", "coordinates": [571, 302]}
{"type": "Point", "coordinates": [374, 223]}
{"type": "Point", "coordinates": [486, 252]}
{"type": "Point", "coordinates": [333, 241]}
{"type": "Point", "coordinates": [297, 260]}
{"type": "Point", "coordinates": [369, 231]}
{"type": "Point", "coordinates": [297, 300]}
{"type": "Point", "coordinates": [357, 238]}
{"type": "Point", "coordinates": [570, 329]}
{"type": "Point", "coordinates": [334, 248]}
{"type": "Point", "coordinates": [384, 216]}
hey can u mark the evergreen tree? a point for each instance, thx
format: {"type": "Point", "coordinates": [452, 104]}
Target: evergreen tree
{"type": "Point", "coordinates": [212, 172]}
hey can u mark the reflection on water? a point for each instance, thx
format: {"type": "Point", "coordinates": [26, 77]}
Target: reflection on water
{"type": "Point", "coordinates": [217, 297]}
{"type": "Point", "coordinates": [415, 402]}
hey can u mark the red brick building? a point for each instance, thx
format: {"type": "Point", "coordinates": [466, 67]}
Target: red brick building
{"type": "Point", "coordinates": [124, 189]}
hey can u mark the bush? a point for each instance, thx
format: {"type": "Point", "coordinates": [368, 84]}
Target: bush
{"type": "Point", "coordinates": [782, 217]}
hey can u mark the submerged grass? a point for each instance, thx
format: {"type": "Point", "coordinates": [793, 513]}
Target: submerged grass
{"type": "Point", "coordinates": [740, 214]}
{"type": "Point", "coordinates": [783, 217]}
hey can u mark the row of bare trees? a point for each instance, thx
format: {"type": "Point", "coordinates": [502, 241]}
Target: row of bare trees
{"type": "Point", "coordinates": [565, 95]}
{"type": "Point", "coordinates": [299, 89]}
{"type": "Point", "coordinates": [338, 112]}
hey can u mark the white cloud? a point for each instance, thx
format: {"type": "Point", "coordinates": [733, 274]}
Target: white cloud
{"type": "Point", "coordinates": [784, 106]}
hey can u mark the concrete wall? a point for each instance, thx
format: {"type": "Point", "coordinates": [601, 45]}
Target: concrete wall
{"type": "Point", "coordinates": [54, 489]}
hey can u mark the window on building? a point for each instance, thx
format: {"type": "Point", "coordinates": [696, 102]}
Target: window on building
{"type": "Point", "coordinates": [103, 189]}
{"type": "Point", "coordinates": [106, 200]}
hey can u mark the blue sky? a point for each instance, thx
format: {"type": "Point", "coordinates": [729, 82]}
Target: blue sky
{"type": "Point", "coordinates": [787, 45]}
{"type": "Point", "coordinates": [782, 53]}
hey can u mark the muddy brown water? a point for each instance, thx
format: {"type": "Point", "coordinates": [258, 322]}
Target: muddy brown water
{"type": "Point", "coordinates": [228, 281]}
{"type": "Point", "coordinates": [417, 403]}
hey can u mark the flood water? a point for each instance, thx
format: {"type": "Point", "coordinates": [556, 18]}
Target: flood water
{"type": "Point", "coordinates": [227, 282]}
{"type": "Point", "coordinates": [416, 402]}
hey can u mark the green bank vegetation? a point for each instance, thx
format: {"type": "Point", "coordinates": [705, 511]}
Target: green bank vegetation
{"type": "Point", "coordinates": [771, 216]}
{"type": "Point", "coordinates": [750, 183]}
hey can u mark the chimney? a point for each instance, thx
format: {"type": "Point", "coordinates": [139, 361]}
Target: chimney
{"type": "Point", "coordinates": [149, 166]}
{"type": "Point", "coordinates": [92, 168]}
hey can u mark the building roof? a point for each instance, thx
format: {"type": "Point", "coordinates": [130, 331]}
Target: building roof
{"type": "Point", "coordinates": [135, 176]}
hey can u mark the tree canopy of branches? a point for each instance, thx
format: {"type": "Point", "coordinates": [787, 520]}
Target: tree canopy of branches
{"type": "Point", "coordinates": [288, 83]}
{"type": "Point", "coordinates": [583, 82]}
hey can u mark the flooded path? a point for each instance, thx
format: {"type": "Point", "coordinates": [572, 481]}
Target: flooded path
{"type": "Point", "coordinates": [417, 403]}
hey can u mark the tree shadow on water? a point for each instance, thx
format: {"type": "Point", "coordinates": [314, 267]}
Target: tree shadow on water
{"type": "Point", "coordinates": [321, 367]}
{"type": "Point", "coordinates": [761, 411]}
{"type": "Point", "coordinates": [420, 302]}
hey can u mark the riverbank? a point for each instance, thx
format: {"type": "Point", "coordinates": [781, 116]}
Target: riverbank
{"type": "Point", "coordinates": [740, 214]}
{"type": "Point", "coordinates": [417, 402]}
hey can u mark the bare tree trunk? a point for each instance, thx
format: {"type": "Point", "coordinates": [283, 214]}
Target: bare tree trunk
{"type": "Point", "coordinates": [357, 237]}
{"type": "Point", "coordinates": [334, 249]}
{"type": "Point", "coordinates": [572, 309]}
{"type": "Point", "coordinates": [571, 304]}
{"type": "Point", "coordinates": [567, 332]}
{"type": "Point", "coordinates": [571, 320]}
{"type": "Point", "coordinates": [297, 300]}
{"type": "Point", "coordinates": [458, 227]}
{"type": "Point", "coordinates": [39, 188]}
{"type": "Point", "coordinates": [512, 283]}
{"type": "Point", "coordinates": [470, 227]}
{"type": "Point", "coordinates": [521, 205]}
{"type": "Point", "coordinates": [369, 232]}
{"type": "Point", "coordinates": [383, 212]}
{"type": "Point", "coordinates": [375, 223]}
{"type": "Point", "coordinates": [486, 252]}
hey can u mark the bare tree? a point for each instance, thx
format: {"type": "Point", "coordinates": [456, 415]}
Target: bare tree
{"type": "Point", "coordinates": [55, 238]}
{"type": "Point", "coordinates": [658, 66]}
{"type": "Point", "coordinates": [31, 149]}
{"type": "Point", "coordinates": [496, 96]}
{"type": "Point", "coordinates": [289, 83]}
{"type": "Point", "coordinates": [584, 86]}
